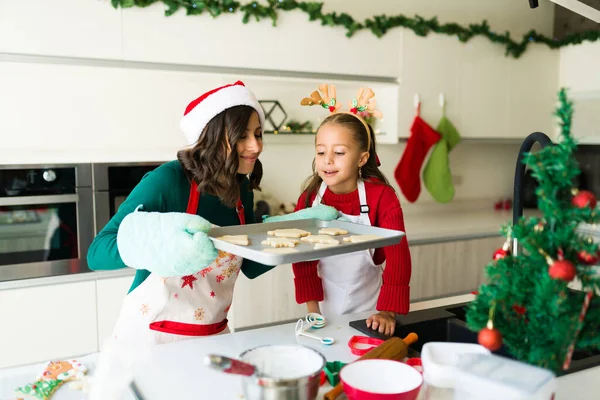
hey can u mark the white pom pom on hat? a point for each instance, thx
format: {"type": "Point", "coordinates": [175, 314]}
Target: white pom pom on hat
{"type": "Point", "coordinates": [200, 111]}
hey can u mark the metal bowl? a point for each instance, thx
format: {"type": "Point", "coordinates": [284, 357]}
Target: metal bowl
{"type": "Point", "coordinates": [287, 372]}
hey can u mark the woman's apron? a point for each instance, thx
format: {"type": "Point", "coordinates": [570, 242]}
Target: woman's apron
{"type": "Point", "coordinates": [162, 310]}
{"type": "Point", "coordinates": [351, 282]}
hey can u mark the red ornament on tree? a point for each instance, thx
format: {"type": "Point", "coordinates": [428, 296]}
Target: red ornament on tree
{"type": "Point", "coordinates": [563, 270]}
{"type": "Point", "coordinates": [587, 258]}
{"type": "Point", "coordinates": [489, 337]}
{"type": "Point", "coordinates": [502, 252]}
{"type": "Point", "coordinates": [584, 199]}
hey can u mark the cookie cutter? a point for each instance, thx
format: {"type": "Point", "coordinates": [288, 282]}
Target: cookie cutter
{"type": "Point", "coordinates": [316, 320]}
{"type": "Point", "coordinates": [360, 345]}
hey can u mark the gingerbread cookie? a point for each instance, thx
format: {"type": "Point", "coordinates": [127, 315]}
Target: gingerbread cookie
{"type": "Point", "coordinates": [289, 233]}
{"type": "Point", "coordinates": [241, 240]}
{"type": "Point", "coordinates": [361, 238]}
{"type": "Point", "coordinates": [55, 374]}
{"type": "Point", "coordinates": [280, 242]}
{"type": "Point", "coordinates": [323, 239]}
{"type": "Point", "coordinates": [333, 231]}
{"type": "Point", "coordinates": [281, 250]}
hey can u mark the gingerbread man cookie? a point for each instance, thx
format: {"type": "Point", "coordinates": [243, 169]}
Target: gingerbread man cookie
{"type": "Point", "coordinates": [323, 239]}
{"type": "Point", "coordinates": [333, 231]}
{"type": "Point", "coordinates": [361, 238]}
{"type": "Point", "coordinates": [289, 233]}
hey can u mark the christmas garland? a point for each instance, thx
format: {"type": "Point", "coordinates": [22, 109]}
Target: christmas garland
{"type": "Point", "coordinates": [379, 25]}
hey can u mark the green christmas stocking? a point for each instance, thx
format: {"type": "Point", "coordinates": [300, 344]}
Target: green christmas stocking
{"type": "Point", "coordinates": [436, 175]}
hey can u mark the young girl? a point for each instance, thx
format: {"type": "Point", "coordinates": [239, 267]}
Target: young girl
{"type": "Point", "coordinates": [346, 176]}
{"type": "Point", "coordinates": [183, 287]}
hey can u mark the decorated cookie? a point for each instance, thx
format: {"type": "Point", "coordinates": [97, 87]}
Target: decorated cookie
{"type": "Point", "coordinates": [361, 238]}
{"type": "Point", "coordinates": [55, 374]}
{"type": "Point", "coordinates": [280, 242]}
{"type": "Point", "coordinates": [323, 239]}
{"type": "Point", "coordinates": [280, 250]}
{"type": "Point", "coordinates": [333, 231]}
{"type": "Point", "coordinates": [289, 233]}
{"type": "Point", "coordinates": [241, 240]}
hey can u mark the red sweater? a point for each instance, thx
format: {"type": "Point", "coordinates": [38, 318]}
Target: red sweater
{"type": "Point", "coordinates": [384, 212]}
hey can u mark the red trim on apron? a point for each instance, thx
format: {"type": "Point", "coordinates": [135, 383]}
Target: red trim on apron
{"type": "Point", "coordinates": [178, 328]}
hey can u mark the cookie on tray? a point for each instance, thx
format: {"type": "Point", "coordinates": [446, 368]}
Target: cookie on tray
{"type": "Point", "coordinates": [361, 238]}
{"type": "Point", "coordinates": [289, 233]}
{"type": "Point", "coordinates": [280, 242]}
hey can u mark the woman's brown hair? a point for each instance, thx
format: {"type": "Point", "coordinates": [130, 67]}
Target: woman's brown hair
{"type": "Point", "coordinates": [359, 134]}
{"type": "Point", "coordinates": [212, 165]}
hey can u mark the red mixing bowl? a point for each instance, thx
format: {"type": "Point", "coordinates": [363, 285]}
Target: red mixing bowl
{"type": "Point", "coordinates": [380, 380]}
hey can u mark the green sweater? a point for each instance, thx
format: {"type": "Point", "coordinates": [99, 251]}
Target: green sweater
{"type": "Point", "coordinates": [167, 189]}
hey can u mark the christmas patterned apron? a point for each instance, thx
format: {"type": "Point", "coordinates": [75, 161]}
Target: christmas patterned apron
{"type": "Point", "coordinates": [162, 310]}
{"type": "Point", "coordinates": [351, 282]}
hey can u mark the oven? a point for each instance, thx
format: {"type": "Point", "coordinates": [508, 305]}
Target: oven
{"type": "Point", "coordinates": [112, 183]}
{"type": "Point", "coordinates": [46, 220]}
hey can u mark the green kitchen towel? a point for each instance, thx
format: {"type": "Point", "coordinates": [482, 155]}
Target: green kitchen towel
{"type": "Point", "coordinates": [437, 175]}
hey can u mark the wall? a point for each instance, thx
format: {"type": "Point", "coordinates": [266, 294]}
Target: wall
{"type": "Point", "coordinates": [60, 106]}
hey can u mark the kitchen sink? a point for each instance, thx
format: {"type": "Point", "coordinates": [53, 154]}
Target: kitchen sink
{"type": "Point", "coordinates": [448, 324]}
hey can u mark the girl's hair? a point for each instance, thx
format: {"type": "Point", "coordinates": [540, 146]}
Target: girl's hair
{"type": "Point", "coordinates": [359, 134]}
{"type": "Point", "coordinates": [208, 162]}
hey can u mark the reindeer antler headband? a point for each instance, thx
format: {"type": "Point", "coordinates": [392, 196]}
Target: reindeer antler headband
{"type": "Point", "coordinates": [364, 101]}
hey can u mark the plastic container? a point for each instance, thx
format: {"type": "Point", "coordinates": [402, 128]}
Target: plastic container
{"type": "Point", "coordinates": [491, 377]}
{"type": "Point", "coordinates": [440, 360]}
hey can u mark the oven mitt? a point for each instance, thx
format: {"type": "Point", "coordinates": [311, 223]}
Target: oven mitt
{"type": "Point", "coordinates": [167, 244]}
{"type": "Point", "coordinates": [322, 212]}
{"type": "Point", "coordinates": [437, 176]}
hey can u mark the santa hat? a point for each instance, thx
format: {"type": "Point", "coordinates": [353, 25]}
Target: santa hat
{"type": "Point", "coordinates": [200, 111]}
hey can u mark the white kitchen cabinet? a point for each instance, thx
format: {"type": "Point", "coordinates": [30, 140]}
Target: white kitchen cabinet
{"type": "Point", "coordinates": [110, 294]}
{"type": "Point", "coordinates": [72, 28]}
{"type": "Point", "coordinates": [449, 268]}
{"type": "Point", "coordinates": [46, 322]}
{"type": "Point", "coordinates": [533, 92]}
{"type": "Point", "coordinates": [430, 66]}
{"type": "Point", "coordinates": [296, 44]}
{"type": "Point", "coordinates": [484, 77]}
{"type": "Point", "coordinates": [268, 299]}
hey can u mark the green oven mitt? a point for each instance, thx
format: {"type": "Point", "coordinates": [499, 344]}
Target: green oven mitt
{"type": "Point", "coordinates": [167, 244]}
{"type": "Point", "coordinates": [322, 212]}
{"type": "Point", "coordinates": [437, 176]}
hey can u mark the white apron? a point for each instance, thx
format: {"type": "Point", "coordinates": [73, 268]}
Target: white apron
{"type": "Point", "coordinates": [162, 310]}
{"type": "Point", "coordinates": [351, 282]}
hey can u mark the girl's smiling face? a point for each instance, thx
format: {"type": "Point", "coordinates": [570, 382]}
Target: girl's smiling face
{"type": "Point", "coordinates": [338, 158]}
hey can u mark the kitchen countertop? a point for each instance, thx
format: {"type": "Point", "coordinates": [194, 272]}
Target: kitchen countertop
{"type": "Point", "coordinates": [177, 370]}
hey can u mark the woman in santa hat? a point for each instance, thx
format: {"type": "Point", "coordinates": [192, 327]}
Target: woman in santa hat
{"type": "Point", "coordinates": [183, 286]}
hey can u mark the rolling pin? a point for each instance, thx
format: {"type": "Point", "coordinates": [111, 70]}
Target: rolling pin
{"type": "Point", "coordinates": [392, 349]}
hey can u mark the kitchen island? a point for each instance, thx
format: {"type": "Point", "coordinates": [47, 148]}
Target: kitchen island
{"type": "Point", "coordinates": [177, 370]}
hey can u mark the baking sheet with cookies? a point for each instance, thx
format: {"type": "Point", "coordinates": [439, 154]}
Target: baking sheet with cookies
{"type": "Point", "coordinates": [301, 248]}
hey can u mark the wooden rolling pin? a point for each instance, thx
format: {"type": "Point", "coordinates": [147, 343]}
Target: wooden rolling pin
{"type": "Point", "coordinates": [392, 349]}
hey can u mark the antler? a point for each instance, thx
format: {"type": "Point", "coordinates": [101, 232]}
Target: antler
{"type": "Point", "coordinates": [326, 100]}
{"type": "Point", "coordinates": [365, 101]}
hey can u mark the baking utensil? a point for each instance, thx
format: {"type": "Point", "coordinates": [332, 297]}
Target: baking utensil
{"type": "Point", "coordinates": [392, 349]}
{"type": "Point", "coordinates": [230, 365]}
{"type": "Point", "coordinates": [301, 331]}
{"type": "Point", "coordinates": [361, 345]}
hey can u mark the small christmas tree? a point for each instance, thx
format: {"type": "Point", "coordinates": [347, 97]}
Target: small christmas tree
{"type": "Point", "coordinates": [526, 304]}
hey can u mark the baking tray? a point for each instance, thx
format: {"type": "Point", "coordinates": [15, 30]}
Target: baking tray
{"type": "Point", "coordinates": [306, 252]}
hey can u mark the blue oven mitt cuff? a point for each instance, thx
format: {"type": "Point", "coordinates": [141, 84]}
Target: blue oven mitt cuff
{"type": "Point", "coordinates": [322, 212]}
{"type": "Point", "coordinates": [167, 244]}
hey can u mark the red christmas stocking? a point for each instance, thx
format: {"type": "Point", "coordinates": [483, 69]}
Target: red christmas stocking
{"type": "Point", "coordinates": [408, 170]}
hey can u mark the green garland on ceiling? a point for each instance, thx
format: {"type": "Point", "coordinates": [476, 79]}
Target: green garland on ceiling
{"type": "Point", "coordinates": [379, 25]}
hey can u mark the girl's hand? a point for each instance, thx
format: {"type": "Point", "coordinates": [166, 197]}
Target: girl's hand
{"type": "Point", "coordinates": [383, 321]}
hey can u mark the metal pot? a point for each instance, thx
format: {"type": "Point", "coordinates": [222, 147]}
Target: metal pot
{"type": "Point", "coordinates": [300, 381]}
